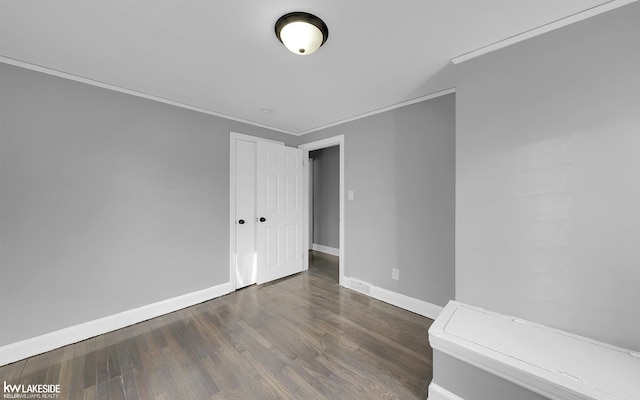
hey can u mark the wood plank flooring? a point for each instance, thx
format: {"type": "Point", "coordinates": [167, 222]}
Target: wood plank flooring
{"type": "Point", "coordinates": [302, 337]}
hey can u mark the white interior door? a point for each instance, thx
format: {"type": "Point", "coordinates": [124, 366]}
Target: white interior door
{"type": "Point", "coordinates": [279, 194]}
{"type": "Point", "coordinates": [245, 218]}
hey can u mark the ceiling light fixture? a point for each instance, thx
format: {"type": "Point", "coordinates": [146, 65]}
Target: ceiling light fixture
{"type": "Point", "coordinates": [302, 33]}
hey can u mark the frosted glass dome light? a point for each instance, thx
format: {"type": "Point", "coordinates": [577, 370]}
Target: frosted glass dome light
{"type": "Point", "coordinates": [302, 33]}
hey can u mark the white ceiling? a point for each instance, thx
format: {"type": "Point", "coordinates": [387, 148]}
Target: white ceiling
{"type": "Point", "coordinates": [223, 56]}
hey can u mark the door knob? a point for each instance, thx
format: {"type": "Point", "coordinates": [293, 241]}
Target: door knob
{"type": "Point", "coordinates": [262, 219]}
{"type": "Point", "coordinates": [241, 221]}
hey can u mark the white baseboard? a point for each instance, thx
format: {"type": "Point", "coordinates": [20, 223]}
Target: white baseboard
{"type": "Point", "coordinates": [73, 334]}
{"type": "Point", "coordinates": [326, 249]}
{"type": "Point", "coordinates": [419, 307]}
{"type": "Point", "coordinates": [437, 392]}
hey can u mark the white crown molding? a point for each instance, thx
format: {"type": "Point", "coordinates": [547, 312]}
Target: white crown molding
{"type": "Point", "coordinates": [76, 78]}
{"type": "Point", "coordinates": [104, 85]}
{"type": "Point", "coordinates": [580, 16]}
{"type": "Point", "coordinates": [381, 110]}
{"type": "Point", "coordinates": [73, 334]}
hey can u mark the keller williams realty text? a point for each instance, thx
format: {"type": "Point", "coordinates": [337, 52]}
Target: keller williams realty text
{"type": "Point", "coordinates": [31, 391]}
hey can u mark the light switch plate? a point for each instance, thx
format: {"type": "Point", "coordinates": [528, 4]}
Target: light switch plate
{"type": "Point", "coordinates": [350, 195]}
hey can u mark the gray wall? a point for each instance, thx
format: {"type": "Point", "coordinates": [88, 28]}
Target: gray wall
{"type": "Point", "coordinates": [471, 383]}
{"type": "Point", "coordinates": [326, 196]}
{"type": "Point", "coordinates": [548, 179]}
{"type": "Point", "coordinates": [401, 166]}
{"type": "Point", "coordinates": [108, 202]}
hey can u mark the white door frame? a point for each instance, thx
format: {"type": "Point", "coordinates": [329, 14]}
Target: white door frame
{"type": "Point", "coordinates": [317, 145]}
{"type": "Point", "coordinates": [233, 136]}
{"type": "Point", "coordinates": [309, 209]}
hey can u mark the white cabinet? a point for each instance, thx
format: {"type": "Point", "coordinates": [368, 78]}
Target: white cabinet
{"type": "Point", "coordinates": [479, 354]}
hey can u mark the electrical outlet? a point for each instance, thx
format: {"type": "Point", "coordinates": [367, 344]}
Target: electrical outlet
{"type": "Point", "coordinates": [395, 273]}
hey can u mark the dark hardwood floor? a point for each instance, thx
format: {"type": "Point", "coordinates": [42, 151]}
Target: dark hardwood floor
{"type": "Point", "coordinates": [302, 337]}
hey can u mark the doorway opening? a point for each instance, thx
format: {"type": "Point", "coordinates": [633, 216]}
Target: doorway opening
{"type": "Point", "coordinates": [324, 210]}
{"type": "Point", "coordinates": [321, 240]}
